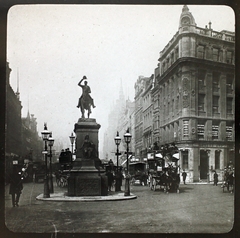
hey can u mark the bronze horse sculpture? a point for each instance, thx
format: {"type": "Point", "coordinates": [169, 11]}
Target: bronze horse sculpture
{"type": "Point", "coordinates": [85, 101]}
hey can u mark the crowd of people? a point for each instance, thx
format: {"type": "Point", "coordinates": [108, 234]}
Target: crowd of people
{"type": "Point", "coordinates": [114, 177]}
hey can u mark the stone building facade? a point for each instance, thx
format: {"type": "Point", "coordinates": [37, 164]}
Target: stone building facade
{"type": "Point", "coordinates": [147, 106]}
{"type": "Point", "coordinates": [194, 99]}
{"type": "Point", "coordinates": [21, 138]}
{"type": "Point", "coordinates": [139, 89]}
{"type": "Point", "coordinates": [13, 124]}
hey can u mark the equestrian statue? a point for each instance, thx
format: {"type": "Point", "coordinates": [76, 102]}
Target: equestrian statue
{"type": "Point", "coordinates": [85, 101]}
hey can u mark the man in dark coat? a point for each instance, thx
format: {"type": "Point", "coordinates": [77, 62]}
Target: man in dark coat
{"type": "Point", "coordinates": [110, 179]}
{"type": "Point", "coordinates": [184, 175]}
{"type": "Point", "coordinates": [215, 178]}
{"type": "Point", "coordinates": [16, 185]}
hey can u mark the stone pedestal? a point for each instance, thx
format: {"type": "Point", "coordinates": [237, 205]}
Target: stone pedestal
{"type": "Point", "coordinates": [86, 177]}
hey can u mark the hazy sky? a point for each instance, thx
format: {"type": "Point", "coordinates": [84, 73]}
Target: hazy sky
{"type": "Point", "coordinates": [51, 47]}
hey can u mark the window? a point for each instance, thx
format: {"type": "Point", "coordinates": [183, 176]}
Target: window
{"type": "Point", "coordinates": [217, 159]}
{"type": "Point", "coordinates": [229, 57]}
{"type": "Point", "coordinates": [172, 107]}
{"type": "Point", "coordinates": [200, 128]}
{"type": "Point", "coordinates": [201, 104]}
{"type": "Point", "coordinates": [176, 53]}
{"type": "Point", "coordinates": [201, 79]}
{"type": "Point", "coordinates": [215, 54]}
{"type": "Point", "coordinates": [229, 105]}
{"type": "Point", "coordinates": [216, 77]}
{"type": "Point", "coordinates": [215, 104]}
{"type": "Point", "coordinates": [163, 68]}
{"type": "Point", "coordinates": [229, 85]}
{"type": "Point", "coordinates": [172, 58]}
{"type": "Point", "coordinates": [229, 132]}
{"type": "Point", "coordinates": [185, 128]}
{"type": "Point", "coordinates": [176, 104]}
{"type": "Point", "coordinates": [215, 131]}
{"type": "Point", "coordinates": [200, 51]}
{"type": "Point", "coordinates": [185, 159]}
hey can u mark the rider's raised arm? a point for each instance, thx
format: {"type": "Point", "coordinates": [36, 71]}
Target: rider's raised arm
{"type": "Point", "coordinates": [79, 84]}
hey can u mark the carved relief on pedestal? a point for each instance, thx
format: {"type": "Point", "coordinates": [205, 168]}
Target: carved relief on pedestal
{"type": "Point", "coordinates": [88, 149]}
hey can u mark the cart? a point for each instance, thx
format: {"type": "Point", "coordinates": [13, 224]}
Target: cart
{"type": "Point", "coordinates": [137, 171]}
{"type": "Point", "coordinates": [164, 174]}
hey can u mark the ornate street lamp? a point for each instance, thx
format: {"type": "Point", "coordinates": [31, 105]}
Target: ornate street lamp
{"type": "Point", "coordinates": [127, 138]}
{"type": "Point", "coordinates": [45, 135]}
{"type": "Point", "coordinates": [72, 139]}
{"type": "Point", "coordinates": [117, 142]}
{"type": "Point", "coordinates": [50, 144]}
{"type": "Point", "coordinates": [118, 177]}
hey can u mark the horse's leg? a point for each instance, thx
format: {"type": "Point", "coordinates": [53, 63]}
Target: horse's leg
{"type": "Point", "coordinates": [82, 111]}
{"type": "Point", "coordinates": [82, 108]}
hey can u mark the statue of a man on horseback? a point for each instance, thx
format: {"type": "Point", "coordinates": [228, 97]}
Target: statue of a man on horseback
{"type": "Point", "coordinates": [85, 101]}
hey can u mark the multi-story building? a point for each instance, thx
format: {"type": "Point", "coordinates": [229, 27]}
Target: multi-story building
{"type": "Point", "coordinates": [193, 97]}
{"type": "Point", "coordinates": [139, 88]}
{"type": "Point", "coordinates": [32, 144]}
{"type": "Point", "coordinates": [22, 140]}
{"type": "Point", "coordinates": [156, 109]}
{"type": "Point", "coordinates": [13, 125]}
{"type": "Point", "coordinates": [147, 115]}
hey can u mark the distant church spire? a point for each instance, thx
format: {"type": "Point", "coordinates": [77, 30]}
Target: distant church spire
{"type": "Point", "coordinates": [17, 93]}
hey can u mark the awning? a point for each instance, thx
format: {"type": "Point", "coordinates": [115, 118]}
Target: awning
{"type": "Point", "coordinates": [159, 155]}
{"type": "Point", "coordinates": [176, 156]}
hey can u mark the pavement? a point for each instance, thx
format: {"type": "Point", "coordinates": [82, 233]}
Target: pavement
{"type": "Point", "coordinates": [112, 196]}
{"type": "Point", "coordinates": [62, 197]}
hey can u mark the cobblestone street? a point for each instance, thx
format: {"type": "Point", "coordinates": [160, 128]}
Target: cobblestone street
{"type": "Point", "coordinates": [196, 209]}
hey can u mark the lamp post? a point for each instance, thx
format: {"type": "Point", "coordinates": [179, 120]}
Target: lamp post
{"type": "Point", "coordinates": [72, 139]}
{"type": "Point", "coordinates": [127, 138]}
{"type": "Point", "coordinates": [118, 177]}
{"type": "Point", "coordinates": [45, 134]}
{"type": "Point", "coordinates": [50, 144]}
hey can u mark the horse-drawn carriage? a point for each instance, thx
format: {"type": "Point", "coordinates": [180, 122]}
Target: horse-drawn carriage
{"type": "Point", "coordinates": [63, 170]}
{"type": "Point", "coordinates": [164, 174]}
{"type": "Point", "coordinates": [137, 171]}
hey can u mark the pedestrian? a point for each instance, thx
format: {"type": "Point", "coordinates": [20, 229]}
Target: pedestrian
{"type": "Point", "coordinates": [184, 175]}
{"type": "Point", "coordinates": [110, 179]}
{"type": "Point", "coordinates": [215, 178]}
{"type": "Point", "coordinates": [16, 185]}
